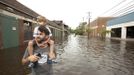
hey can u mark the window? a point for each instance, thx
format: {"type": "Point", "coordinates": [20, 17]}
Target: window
{"type": "Point", "coordinates": [28, 32]}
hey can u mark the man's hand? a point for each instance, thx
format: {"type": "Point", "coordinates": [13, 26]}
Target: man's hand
{"type": "Point", "coordinates": [33, 58]}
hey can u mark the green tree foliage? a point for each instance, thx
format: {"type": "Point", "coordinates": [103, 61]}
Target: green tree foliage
{"type": "Point", "coordinates": [103, 32]}
{"type": "Point", "coordinates": [71, 30]}
{"type": "Point", "coordinates": [88, 30]}
{"type": "Point", "coordinates": [80, 30]}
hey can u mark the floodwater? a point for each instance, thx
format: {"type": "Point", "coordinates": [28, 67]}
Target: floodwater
{"type": "Point", "coordinates": [81, 56]}
{"type": "Point", "coordinates": [10, 62]}
{"type": "Point", "coordinates": [78, 56]}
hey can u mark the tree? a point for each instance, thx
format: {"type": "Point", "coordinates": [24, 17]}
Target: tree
{"type": "Point", "coordinates": [103, 32]}
{"type": "Point", "coordinates": [88, 31]}
{"type": "Point", "coordinates": [80, 30]}
{"type": "Point", "coordinates": [71, 30]}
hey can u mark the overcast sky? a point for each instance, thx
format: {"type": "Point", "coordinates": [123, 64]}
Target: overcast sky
{"type": "Point", "coordinates": [72, 12]}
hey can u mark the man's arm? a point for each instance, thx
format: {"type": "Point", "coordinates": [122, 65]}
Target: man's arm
{"type": "Point", "coordinates": [25, 61]}
{"type": "Point", "coordinates": [26, 58]}
{"type": "Point", "coordinates": [32, 58]}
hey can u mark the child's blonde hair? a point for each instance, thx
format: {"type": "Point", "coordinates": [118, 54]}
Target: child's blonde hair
{"type": "Point", "coordinates": [41, 19]}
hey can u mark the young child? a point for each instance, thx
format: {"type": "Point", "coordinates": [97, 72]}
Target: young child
{"type": "Point", "coordinates": [42, 22]}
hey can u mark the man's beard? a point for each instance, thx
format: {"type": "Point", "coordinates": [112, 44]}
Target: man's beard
{"type": "Point", "coordinates": [41, 39]}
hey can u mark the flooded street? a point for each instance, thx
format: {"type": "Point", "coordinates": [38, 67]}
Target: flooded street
{"type": "Point", "coordinates": [96, 57]}
{"type": "Point", "coordinates": [56, 37]}
{"type": "Point", "coordinates": [79, 56]}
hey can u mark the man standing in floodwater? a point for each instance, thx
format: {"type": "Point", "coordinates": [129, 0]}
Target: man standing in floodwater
{"type": "Point", "coordinates": [40, 59]}
{"type": "Point", "coordinates": [42, 21]}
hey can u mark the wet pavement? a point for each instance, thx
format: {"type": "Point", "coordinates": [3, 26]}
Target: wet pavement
{"type": "Point", "coordinates": [81, 56]}
{"type": "Point", "coordinates": [78, 56]}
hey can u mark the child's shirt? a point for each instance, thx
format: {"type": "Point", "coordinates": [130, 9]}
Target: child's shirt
{"type": "Point", "coordinates": [36, 31]}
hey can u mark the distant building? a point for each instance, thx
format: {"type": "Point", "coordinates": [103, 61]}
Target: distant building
{"type": "Point", "coordinates": [63, 26]}
{"type": "Point", "coordinates": [122, 27]}
{"type": "Point", "coordinates": [98, 24]}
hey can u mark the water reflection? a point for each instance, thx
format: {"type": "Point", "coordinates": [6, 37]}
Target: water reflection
{"type": "Point", "coordinates": [96, 57]}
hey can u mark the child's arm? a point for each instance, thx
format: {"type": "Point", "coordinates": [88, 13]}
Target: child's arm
{"type": "Point", "coordinates": [48, 39]}
{"type": "Point", "coordinates": [30, 47]}
{"type": "Point", "coordinates": [31, 42]}
{"type": "Point", "coordinates": [52, 54]}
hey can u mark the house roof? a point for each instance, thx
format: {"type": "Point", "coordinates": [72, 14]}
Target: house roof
{"type": "Point", "coordinates": [54, 24]}
{"type": "Point", "coordinates": [20, 7]}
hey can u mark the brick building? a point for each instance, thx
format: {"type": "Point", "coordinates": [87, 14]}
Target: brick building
{"type": "Point", "coordinates": [98, 24]}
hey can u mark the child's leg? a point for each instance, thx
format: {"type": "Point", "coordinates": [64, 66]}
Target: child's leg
{"type": "Point", "coordinates": [30, 47]}
{"type": "Point", "coordinates": [51, 53]}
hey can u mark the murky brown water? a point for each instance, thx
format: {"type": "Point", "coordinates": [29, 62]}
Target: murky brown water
{"type": "Point", "coordinates": [96, 57]}
{"type": "Point", "coordinates": [79, 56]}
{"type": "Point", "coordinates": [10, 62]}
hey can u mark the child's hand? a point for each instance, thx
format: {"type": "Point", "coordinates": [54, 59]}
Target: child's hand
{"type": "Point", "coordinates": [42, 45]}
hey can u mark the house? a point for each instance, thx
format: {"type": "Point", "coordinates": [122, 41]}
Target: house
{"type": "Point", "coordinates": [17, 23]}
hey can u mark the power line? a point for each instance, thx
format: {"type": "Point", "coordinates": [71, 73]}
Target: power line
{"type": "Point", "coordinates": [130, 11]}
{"type": "Point", "coordinates": [124, 10]}
{"type": "Point", "coordinates": [114, 7]}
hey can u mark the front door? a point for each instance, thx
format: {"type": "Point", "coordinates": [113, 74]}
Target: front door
{"type": "Point", "coordinates": [9, 29]}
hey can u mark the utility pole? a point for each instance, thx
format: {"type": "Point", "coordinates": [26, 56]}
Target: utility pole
{"type": "Point", "coordinates": [82, 19]}
{"type": "Point", "coordinates": [88, 30]}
